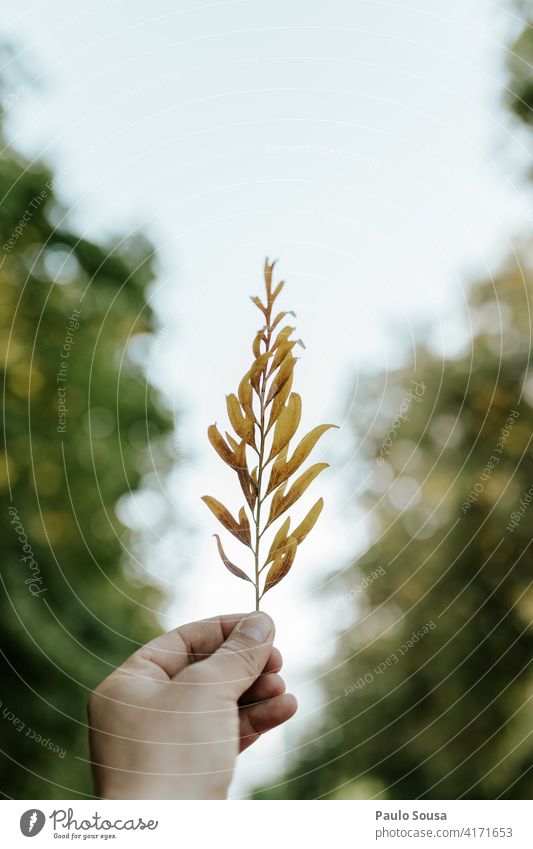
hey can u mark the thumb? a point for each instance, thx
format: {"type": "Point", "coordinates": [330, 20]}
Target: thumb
{"type": "Point", "coordinates": [242, 657]}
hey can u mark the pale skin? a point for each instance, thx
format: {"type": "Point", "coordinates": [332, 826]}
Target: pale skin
{"type": "Point", "coordinates": [170, 722]}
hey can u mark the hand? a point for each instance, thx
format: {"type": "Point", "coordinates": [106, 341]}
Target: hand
{"type": "Point", "coordinates": [170, 722]}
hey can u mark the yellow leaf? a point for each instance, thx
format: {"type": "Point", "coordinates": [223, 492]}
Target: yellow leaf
{"type": "Point", "coordinates": [305, 447]}
{"type": "Point", "coordinates": [276, 506]}
{"type": "Point", "coordinates": [247, 485]}
{"type": "Point", "coordinates": [282, 336]}
{"type": "Point", "coordinates": [243, 425]}
{"type": "Point", "coordinates": [281, 565]}
{"type": "Point", "coordinates": [228, 564]}
{"type": "Point", "coordinates": [281, 352]}
{"type": "Point", "coordinates": [278, 475]}
{"type": "Point", "coordinates": [256, 347]}
{"type": "Point", "coordinates": [279, 540]}
{"type": "Point", "coordinates": [300, 484]}
{"type": "Point", "coordinates": [280, 316]}
{"type": "Point", "coordinates": [220, 445]}
{"type": "Point", "coordinates": [268, 275]}
{"type": "Point", "coordinates": [225, 518]}
{"type": "Point", "coordinates": [245, 393]}
{"type": "Point", "coordinates": [232, 442]}
{"type": "Point", "coordinates": [258, 304]}
{"type": "Point", "coordinates": [258, 368]}
{"type": "Point", "coordinates": [245, 527]}
{"type": "Point", "coordinates": [284, 374]}
{"type": "Point", "coordinates": [286, 425]}
{"type": "Point", "coordinates": [308, 523]}
{"type": "Point", "coordinates": [278, 403]}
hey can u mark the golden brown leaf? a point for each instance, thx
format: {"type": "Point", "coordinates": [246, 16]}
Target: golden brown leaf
{"type": "Point", "coordinates": [279, 540]}
{"type": "Point", "coordinates": [280, 316]}
{"type": "Point", "coordinates": [281, 352]}
{"type": "Point", "coordinates": [308, 523]}
{"type": "Point", "coordinates": [257, 301]}
{"type": "Point", "coordinates": [279, 402]}
{"type": "Point", "coordinates": [256, 347]}
{"type": "Point", "coordinates": [242, 424]}
{"type": "Point", "coordinates": [303, 450]}
{"type": "Point", "coordinates": [300, 484]}
{"type": "Point", "coordinates": [268, 275]}
{"type": "Point", "coordinates": [286, 425]}
{"type": "Point", "coordinates": [282, 336]}
{"type": "Point", "coordinates": [284, 374]}
{"type": "Point", "coordinates": [245, 527]}
{"type": "Point", "coordinates": [258, 368]}
{"type": "Point", "coordinates": [245, 393]}
{"type": "Point", "coordinates": [276, 506]}
{"type": "Point", "coordinates": [281, 565]}
{"type": "Point", "coordinates": [225, 518]}
{"type": "Point", "coordinates": [233, 444]}
{"type": "Point", "coordinates": [247, 485]}
{"type": "Point", "coordinates": [278, 472]}
{"type": "Point", "coordinates": [220, 445]}
{"type": "Point", "coordinates": [228, 564]}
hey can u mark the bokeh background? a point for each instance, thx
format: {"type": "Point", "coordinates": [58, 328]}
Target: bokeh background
{"type": "Point", "coordinates": [152, 156]}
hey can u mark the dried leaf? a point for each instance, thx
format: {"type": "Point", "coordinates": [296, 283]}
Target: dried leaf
{"type": "Point", "coordinates": [284, 374]}
{"type": "Point", "coordinates": [280, 316]}
{"type": "Point", "coordinates": [279, 540]}
{"type": "Point", "coordinates": [268, 275]}
{"type": "Point", "coordinates": [258, 368]}
{"type": "Point", "coordinates": [220, 445]}
{"type": "Point", "coordinates": [278, 473]}
{"type": "Point", "coordinates": [305, 447]}
{"type": "Point", "coordinates": [282, 336]}
{"type": "Point", "coordinates": [256, 347]}
{"type": "Point", "coordinates": [225, 518]}
{"type": "Point", "coordinates": [300, 484]}
{"type": "Point", "coordinates": [276, 505]}
{"type": "Point", "coordinates": [281, 565]}
{"type": "Point", "coordinates": [228, 564]}
{"type": "Point", "coordinates": [281, 352]}
{"type": "Point", "coordinates": [308, 523]}
{"type": "Point", "coordinates": [242, 424]}
{"type": "Point", "coordinates": [245, 527]}
{"type": "Point", "coordinates": [286, 425]}
{"type": "Point", "coordinates": [232, 442]}
{"type": "Point", "coordinates": [248, 487]}
{"type": "Point", "coordinates": [257, 301]}
{"type": "Point", "coordinates": [278, 403]}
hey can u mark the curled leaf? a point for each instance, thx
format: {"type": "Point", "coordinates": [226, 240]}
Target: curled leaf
{"type": "Point", "coordinates": [281, 565]}
{"type": "Point", "coordinates": [225, 518]}
{"type": "Point", "coordinates": [280, 316]}
{"type": "Point", "coordinates": [228, 564]}
{"type": "Point", "coordinates": [308, 523]}
{"type": "Point", "coordinates": [245, 393]}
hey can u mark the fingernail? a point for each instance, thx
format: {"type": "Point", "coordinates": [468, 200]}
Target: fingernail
{"type": "Point", "coordinates": [257, 626]}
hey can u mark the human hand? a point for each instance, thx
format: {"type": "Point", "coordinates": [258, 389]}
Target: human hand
{"type": "Point", "coordinates": [170, 722]}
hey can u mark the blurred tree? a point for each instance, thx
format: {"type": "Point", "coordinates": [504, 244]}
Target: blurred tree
{"type": "Point", "coordinates": [69, 308]}
{"type": "Point", "coordinates": [430, 691]}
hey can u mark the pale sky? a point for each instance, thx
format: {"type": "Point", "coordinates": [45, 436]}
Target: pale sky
{"type": "Point", "coordinates": [360, 142]}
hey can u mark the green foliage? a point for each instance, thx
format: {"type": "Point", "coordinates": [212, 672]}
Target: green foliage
{"type": "Point", "coordinates": [446, 713]}
{"type": "Point", "coordinates": [61, 635]}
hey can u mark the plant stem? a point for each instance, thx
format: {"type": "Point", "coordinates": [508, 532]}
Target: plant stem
{"type": "Point", "coordinates": [257, 517]}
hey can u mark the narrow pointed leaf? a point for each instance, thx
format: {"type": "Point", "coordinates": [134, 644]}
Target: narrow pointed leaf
{"type": "Point", "coordinates": [248, 486]}
{"type": "Point", "coordinates": [233, 444]}
{"type": "Point", "coordinates": [279, 540]}
{"type": "Point", "coordinates": [281, 352]}
{"type": "Point", "coordinates": [256, 347]}
{"type": "Point", "coordinates": [245, 527]}
{"type": "Point", "coordinates": [245, 393]}
{"type": "Point", "coordinates": [300, 484]}
{"type": "Point", "coordinates": [278, 473]}
{"type": "Point", "coordinates": [305, 447]}
{"type": "Point", "coordinates": [281, 565]}
{"type": "Point", "coordinates": [286, 425]}
{"type": "Point", "coordinates": [258, 368]}
{"type": "Point", "coordinates": [279, 402]}
{"type": "Point", "coordinates": [279, 380]}
{"type": "Point", "coordinates": [242, 424]}
{"type": "Point", "coordinates": [225, 518]}
{"type": "Point", "coordinates": [308, 523]}
{"type": "Point", "coordinates": [280, 316]}
{"type": "Point", "coordinates": [228, 564]}
{"type": "Point", "coordinates": [276, 506]}
{"type": "Point", "coordinates": [220, 445]}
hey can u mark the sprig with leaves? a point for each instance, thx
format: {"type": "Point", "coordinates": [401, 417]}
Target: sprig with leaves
{"type": "Point", "coordinates": [265, 415]}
